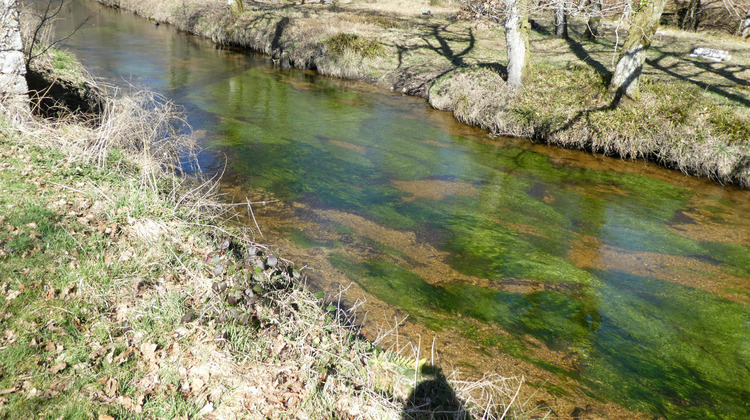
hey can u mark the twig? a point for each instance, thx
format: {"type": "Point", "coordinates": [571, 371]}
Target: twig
{"type": "Point", "coordinates": [250, 207]}
{"type": "Point", "coordinates": [66, 187]}
{"type": "Point", "coordinates": [432, 352]}
{"type": "Point", "coordinates": [252, 202]}
{"type": "Point", "coordinates": [102, 193]}
{"type": "Point", "coordinates": [416, 361]}
{"type": "Point", "coordinates": [507, 407]}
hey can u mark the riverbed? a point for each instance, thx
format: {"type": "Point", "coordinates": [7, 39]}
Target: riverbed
{"type": "Point", "coordinates": [597, 278]}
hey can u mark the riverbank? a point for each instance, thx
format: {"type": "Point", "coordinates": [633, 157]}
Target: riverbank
{"type": "Point", "coordinates": [126, 294]}
{"type": "Point", "coordinates": [691, 115]}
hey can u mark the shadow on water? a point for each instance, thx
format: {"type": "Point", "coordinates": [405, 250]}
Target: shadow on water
{"type": "Point", "coordinates": [434, 398]}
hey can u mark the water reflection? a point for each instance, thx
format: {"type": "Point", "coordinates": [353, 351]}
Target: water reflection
{"type": "Point", "coordinates": [634, 287]}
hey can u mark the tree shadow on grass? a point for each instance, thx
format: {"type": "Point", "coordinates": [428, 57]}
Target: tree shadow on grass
{"type": "Point", "coordinates": [443, 36]}
{"type": "Point", "coordinates": [578, 49]}
{"type": "Point", "coordinates": [718, 69]}
{"type": "Point", "coordinates": [434, 398]}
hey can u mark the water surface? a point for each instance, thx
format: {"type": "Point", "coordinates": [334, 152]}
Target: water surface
{"type": "Point", "coordinates": [605, 279]}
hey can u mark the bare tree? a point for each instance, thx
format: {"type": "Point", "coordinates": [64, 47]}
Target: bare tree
{"type": "Point", "coordinates": [633, 54]}
{"type": "Point", "coordinates": [39, 40]}
{"type": "Point", "coordinates": [745, 25]}
{"type": "Point", "coordinates": [561, 19]}
{"type": "Point", "coordinates": [595, 18]}
{"type": "Point", "coordinates": [517, 41]}
{"type": "Point", "coordinates": [691, 17]}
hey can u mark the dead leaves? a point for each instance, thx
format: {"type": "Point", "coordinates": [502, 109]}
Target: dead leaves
{"type": "Point", "coordinates": [65, 293]}
{"type": "Point", "coordinates": [8, 337]}
{"type": "Point", "coordinates": [12, 294]}
{"type": "Point", "coordinates": [129, 404]}
{"type": "Point", "coordinates": [123, 356]}
{"type": "Point", "coordinates": [109, 386]}
{"type": "Point", "coordinates": [279, 344]}
{"type": "Point", "coordinates": [109, 395]}
{"type": "Point", "coordinates": [148, 352]}
{"type": "Point", "coordinates": [8, 391]}
{"type": "Point", "coordinates": [58, 367]}
{"type": "Point", "coordinates": [149, 384]}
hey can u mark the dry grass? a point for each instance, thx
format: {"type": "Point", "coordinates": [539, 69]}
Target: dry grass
{"type": "Point", "coordinates": [478, 96]}
{"type": "Point", "coordinates": [179, 314]}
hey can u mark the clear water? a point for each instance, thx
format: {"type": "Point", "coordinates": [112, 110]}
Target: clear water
{"type": "Point", "coordinates": [639, 276]}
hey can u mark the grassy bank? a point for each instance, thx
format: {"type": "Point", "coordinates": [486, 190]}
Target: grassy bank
{"type": "Point", "coordinates": [691, 115]}
{"type": "Point", "coordinates": [126, 294]}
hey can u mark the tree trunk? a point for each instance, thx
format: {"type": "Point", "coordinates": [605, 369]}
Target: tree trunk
{"type": "Point", "coordinates": [691, 19]}
{"type": "Point", "coordinates": [633, 54]}
{"type": "Point", "coordinates": [517, 40]}
{"type": "Point", "coordinates": [236, 6]}
{"type": "Point", "coordinates": [592, 29]}
{"type": "Point", "coordinates": [561, 20]}
{"type": "Point", "coordinates": [745, 25]}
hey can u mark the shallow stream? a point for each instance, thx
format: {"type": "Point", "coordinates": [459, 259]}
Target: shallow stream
{"type": "Point", "coordinates": [597, 278]}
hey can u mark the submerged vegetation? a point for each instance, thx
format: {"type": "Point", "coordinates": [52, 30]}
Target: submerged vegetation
{"type": "Point", "coordinates": [690, 115]}
{"type": "Point", "coordinates": [127, 294]}
{"type": "Point", "coordinates": [511, 249]}
{"type": "Point", "coordinates": [523, 242]}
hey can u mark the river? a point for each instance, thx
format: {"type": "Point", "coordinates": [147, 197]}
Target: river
{"type": "Point", "coordinates": [597, 278]}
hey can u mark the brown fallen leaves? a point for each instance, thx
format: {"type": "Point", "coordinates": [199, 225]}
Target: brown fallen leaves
{"type": "Point", "coordinates": [58, 367]}
{"type": "Point", "coordinates": [109, 396]}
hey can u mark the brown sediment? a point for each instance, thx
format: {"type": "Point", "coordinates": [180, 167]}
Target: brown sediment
{"type": "Point", "coordinates": [351, 146]}
{"type": "Point", "coordinates": [702, 215]}
{"type": "Point", "coordinates": [430, 262]}
{"type": "Point", "coordinates": [685, 271]}
{"type": "Point", "coordinates": [433, 189]}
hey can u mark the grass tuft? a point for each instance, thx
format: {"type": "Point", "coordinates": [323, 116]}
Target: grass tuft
{"type": "Point", "coordinates": [341, 43]}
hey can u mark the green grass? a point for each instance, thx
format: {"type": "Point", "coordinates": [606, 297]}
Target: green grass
{"type": "Point", "coordinates": [347, 42]}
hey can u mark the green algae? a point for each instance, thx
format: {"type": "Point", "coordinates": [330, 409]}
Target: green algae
{"type": "Point", "coordinates": [672, 350]}
{"type": "Point", "coordinates": [681, 367]}
{"type": "Point", "coordinates": [735, 257]}
{"type": "Point", "coordinates": [303, 240]}
{"type": "Point", "coordinates": [520, 222]}
{"type": "Point", "coordinates": [396, 286]}
{"type": "Point", "coordinates": [650, 356]}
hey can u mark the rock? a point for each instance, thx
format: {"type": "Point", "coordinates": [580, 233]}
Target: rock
{"type": "Point", "coordinates": [272, 261]}
{"type": "Point", "coordinates": [13, 86]}
{"type": "Point", "coordinates": [711, 54]}
{"type": "Point", "coordinates": [284, 61]}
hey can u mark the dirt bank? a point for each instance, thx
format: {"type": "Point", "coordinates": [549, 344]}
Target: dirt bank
{"type": "Point", "coordinates": [691, 115]}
